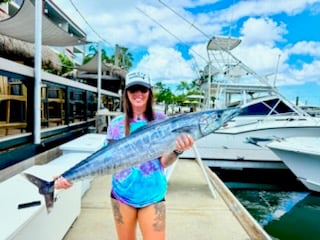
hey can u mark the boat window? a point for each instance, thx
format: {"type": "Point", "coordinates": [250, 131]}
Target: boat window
{"type": "Point", "coordinates": [264, 108]}
{"type": "Point", "coordinates": [281, 107]}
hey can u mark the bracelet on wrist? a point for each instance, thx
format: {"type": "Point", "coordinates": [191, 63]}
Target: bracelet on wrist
{"type": "Point", "coordinates": [177, 153]}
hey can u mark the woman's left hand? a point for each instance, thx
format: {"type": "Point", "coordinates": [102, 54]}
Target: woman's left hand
{"type": "Point", "coordinates": [184, 142]}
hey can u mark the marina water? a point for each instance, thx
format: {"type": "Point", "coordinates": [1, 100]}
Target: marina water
{"type": "Point", "coordinates": [279, 203]}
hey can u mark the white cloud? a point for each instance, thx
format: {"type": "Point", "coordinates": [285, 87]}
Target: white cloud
{"type": "Point", "coordinates": [308, 72]}
{"type": "Point", "coordinates": [260, 58]}
{"type": "Point", "coordinates": [166, 64]}
{"type": "Point", "coordinates": [119, 22]}
{"type": "Point", "coordinates": [311, 48]}
{"type": "Point", "coordinates": [302, 71]}
{"type": "Point", "coordinates": [265, 8]}
{"type": "Point", "coordinates": [262, 31]}
{"type": "Point", "coordinates": [199, 53]}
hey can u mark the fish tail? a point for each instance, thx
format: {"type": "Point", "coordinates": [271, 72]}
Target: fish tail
{"type": "Point", "coordinates": [45, 188]}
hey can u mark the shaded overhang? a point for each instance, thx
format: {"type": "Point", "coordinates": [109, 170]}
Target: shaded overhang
{"type": "Point", "coordinates": [108, 68]}
{"type": "Point", "coordinates": [22, 26]}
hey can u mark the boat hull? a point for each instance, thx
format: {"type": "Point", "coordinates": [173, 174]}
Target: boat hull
{"type": "Point", "coordinates": [302, 156]}
{"type": "Point", "coordinates": [230, 147]}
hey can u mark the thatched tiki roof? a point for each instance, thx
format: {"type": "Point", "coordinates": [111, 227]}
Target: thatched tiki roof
{"type": "Point", "coordinates": [21, 51]}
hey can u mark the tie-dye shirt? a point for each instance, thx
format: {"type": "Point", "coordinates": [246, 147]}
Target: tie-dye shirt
{"type": "Point", "coordinates": [141, 185]}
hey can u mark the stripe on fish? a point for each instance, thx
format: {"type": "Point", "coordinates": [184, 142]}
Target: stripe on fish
{"type": "Point", "coordinates": [148, 142]}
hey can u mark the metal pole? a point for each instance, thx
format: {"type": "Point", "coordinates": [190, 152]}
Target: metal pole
{"type": "Point", "coordinates": [120, 99]}
{"type": "Point", "coordinates": [99, 75]}
{"type": "Point", "coordinates": [116, 55]}
{"type": "Point", "coordinates": [199, 160]}
{"type": "Point", "coordinates": [209, 86]}
{"type": "Point", "coordinates": [37, 72]}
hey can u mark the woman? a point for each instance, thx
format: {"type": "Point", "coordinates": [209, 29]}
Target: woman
{"type": "Point", "coordinates": [138, 193]}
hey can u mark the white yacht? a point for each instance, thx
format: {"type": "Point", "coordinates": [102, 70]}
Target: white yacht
{"type": "Point", "coordinates": [266, 114]}
{"type": "Point", "coordinates": [302, 156]}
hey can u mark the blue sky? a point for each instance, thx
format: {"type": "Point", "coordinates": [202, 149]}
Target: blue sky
{"type": "Point", "coordinates": [273, 32]}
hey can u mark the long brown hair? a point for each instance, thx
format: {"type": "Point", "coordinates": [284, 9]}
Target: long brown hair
{"type": "Point", "coordinates": [128, 111]}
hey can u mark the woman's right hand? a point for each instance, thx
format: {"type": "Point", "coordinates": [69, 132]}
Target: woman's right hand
{"type": "Point", "coordinates": [61, 183]}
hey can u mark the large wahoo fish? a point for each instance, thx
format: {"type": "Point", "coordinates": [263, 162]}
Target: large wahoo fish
{"type": "Point", "coordinates": [148, 142]}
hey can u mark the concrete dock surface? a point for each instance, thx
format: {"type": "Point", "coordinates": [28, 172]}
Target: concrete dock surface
{"type": "Point", "coordinates": [192, 212]}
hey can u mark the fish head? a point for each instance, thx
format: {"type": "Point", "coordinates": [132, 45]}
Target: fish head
{"type": "Point", "coordinates": [212, 120]}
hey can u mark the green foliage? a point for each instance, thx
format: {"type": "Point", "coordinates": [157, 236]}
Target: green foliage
{"type": "Point", "coordinates": [93, 52]}
{"type": "Point", "coordinates": [165, 95]}
{"type": "Point", "coordinates": [125, 58]}
{"type": "Point", "coordinates": [67, 65]}
{"type": "Point", "coordinates": [183, 87]}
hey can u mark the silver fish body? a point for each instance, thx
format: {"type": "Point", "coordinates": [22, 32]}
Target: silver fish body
{"type": "Point", "coordinates": [148, 142]}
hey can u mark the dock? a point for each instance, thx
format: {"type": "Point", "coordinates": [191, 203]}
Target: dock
{"type": "Point", "coordinates": [199, 205]}
{"type": "Point", "coordinates": [192, 211]}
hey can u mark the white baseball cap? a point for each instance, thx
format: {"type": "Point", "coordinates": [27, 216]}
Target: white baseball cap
{"type": "Point", "coordinates": [137, 78]}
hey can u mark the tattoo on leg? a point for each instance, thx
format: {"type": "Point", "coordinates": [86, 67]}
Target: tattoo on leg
{"type": "Point", "coordinates": [116, 212]}
{"type": "Point", "coordinates": [160, 217]}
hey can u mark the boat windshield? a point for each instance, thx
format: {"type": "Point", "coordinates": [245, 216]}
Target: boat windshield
{"type": "Point", "coordinates": [269, 107]}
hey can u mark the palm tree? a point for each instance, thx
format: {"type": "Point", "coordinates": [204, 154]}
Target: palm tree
{"type": "Point", "coordinates": [93, 51]}
{"type": "Point", "coordinates": [183, 86]}
{"type": "Point", "coordinates": [122, 57]}
{"type": "Point", "coordinates": [167, 97]}
{"type": "Point", "coordinates": [159, 86]}
{"type": "Point", "coordinates": [164, 94]}
{"type": "Point", "coordinates": [194, 86]}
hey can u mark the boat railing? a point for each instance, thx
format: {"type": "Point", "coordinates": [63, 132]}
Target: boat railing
{"type": "Point", "coordinates": [222, 81]}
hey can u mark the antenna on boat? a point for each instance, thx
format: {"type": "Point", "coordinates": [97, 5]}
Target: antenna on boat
{"type": "Point", "coordinates": [277, 71]}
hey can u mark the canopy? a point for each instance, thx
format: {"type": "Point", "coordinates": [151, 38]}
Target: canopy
{"type": "Point", "coordinates": [223, 43]}
{"type": "Point", "coordinates": [22, 26]}
{"type": "Point", "coordinates": [92, 67]}
{"type": "Point", "coordinates": [194, 96]}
